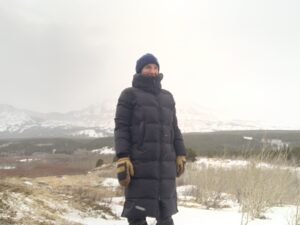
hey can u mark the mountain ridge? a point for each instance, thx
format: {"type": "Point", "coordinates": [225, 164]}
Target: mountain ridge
{"type": "Point", "coordinates": [97, 120]}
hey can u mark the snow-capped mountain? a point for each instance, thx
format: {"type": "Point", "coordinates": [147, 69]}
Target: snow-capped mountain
{"type": "Point", "coordinates": [195, 118]}
{"type": "Point", "coordinates": [98, 121]}
{"type": "Point", "coordinates": [93, 121]}
{"type": "Point", "coordinates": [13, 120]}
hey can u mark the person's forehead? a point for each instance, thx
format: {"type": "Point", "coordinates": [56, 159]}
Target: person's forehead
{"type": "Point", "coordinates": [151, 64]}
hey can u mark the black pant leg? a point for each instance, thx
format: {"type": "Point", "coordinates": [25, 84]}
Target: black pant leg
{"type": "Point", "coordinates": [165, 221]}
{"type": "Point", "coordinates": [137, 221]}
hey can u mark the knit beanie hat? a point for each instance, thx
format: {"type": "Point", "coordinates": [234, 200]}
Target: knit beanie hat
{"type": "Point", "coordinates": [144, 60]}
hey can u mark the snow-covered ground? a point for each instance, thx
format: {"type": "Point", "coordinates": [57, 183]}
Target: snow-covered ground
{"type": "Point", "coordinates": [72, 199]}
{"type": "Point", "coordinates": [196, 216]}
{"type": "Point", "coordinates": [193, 213]}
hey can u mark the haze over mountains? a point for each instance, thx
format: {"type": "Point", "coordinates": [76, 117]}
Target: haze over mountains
{"type": "Point", "coordinates": [98, 121]}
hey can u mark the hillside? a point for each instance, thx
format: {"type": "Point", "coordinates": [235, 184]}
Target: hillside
{"type": "Point", "coordinates": [96, 198]}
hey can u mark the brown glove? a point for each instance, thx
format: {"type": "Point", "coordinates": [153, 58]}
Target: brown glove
{"type": "Point", "coordinates": [180, 164]}
{"type": "Point", "coordinates": [124, 171]}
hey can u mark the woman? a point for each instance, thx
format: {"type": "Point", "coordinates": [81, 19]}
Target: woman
{"type": "Point", "coordinates": [149, 146]}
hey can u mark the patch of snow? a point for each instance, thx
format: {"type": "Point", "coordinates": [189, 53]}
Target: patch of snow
{"type": "Point", "coordinates": [5, 145]}
{"type": "Point", "coordinates": [7, 167]}
{"type": "Point", "coordinates": [220, 163]}
{"type": "Point", "coordinates": [185, 190]}
{"type": "Point", "coordinates": [248, 138]}
{"type": "Point", "coordinates": [28, 183]}
{"type": "Point", "coordinates": [44, 144]}
{"type": "Point", "coordinates": [107, 151]}
{"type": "Point", "coordinates": [104, 151]}
{"type": "Point", "coordinates": [27, 160]}
{"type": "Point", "coordinates": [110, 182]}
{"type": "Point", "coordinates": [277, 144]}
{"type": "Point", "coordinates": [75, 217]}
{"type": "Point", "coordinates": [89, 133]}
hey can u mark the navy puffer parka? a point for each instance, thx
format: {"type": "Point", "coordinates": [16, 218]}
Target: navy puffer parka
{"type": "Point", "coordinates": [146, 130]}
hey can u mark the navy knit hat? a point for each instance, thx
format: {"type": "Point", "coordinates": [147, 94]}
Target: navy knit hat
{"type": "Point", "coordinates": [144, 60]}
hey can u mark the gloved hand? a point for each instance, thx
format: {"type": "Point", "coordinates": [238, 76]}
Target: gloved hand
{"type": "Point", "coordinates": [180, 164]}
{"type": "Point", "coordinates": [124, 171]}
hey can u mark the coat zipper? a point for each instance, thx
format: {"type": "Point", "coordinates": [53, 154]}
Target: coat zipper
{"type": "Point", "coordinates": [160, 137]}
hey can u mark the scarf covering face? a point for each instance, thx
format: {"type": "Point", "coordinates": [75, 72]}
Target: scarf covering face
{"type": "Point", "coordinates": [147, 83]}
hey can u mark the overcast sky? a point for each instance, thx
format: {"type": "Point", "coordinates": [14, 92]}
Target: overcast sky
{"type": "Point", "coordinates": [239, 57]}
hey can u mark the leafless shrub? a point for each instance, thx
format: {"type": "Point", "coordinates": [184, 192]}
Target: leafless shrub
{"type": "Point", "coordinates": [256, 187]}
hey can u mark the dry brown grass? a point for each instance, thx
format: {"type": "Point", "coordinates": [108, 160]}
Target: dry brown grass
{"type": "Point", "coordinates": [254, 187]}
{"type": "Point", "coordinates": [79, 192]}
{"type": "Point", "coordinates": [51, 164]}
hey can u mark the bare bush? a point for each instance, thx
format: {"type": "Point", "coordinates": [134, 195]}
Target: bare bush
{"type": "Point", "coordinates": [209, 184]}
{"type": "Point", "coordinates": [295, 217]}
{"type": "Point", "coordinates": [256, 186]}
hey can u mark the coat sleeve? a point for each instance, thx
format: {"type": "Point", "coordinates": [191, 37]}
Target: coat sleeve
{"type": "Point", "coordinates": [178, 139]}
{"type": "Point", "coordinates": [122, 124]}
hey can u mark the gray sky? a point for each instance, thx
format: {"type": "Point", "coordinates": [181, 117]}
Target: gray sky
{"type": "Point", "coordinates": [238, 57]}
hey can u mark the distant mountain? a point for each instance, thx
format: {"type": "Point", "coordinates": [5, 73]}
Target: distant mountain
{"type": "Point", "coordinates": [93, 121]}
{"type": "Point", "coordinates": [98, 121]}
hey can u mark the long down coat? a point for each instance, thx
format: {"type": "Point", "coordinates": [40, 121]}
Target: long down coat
{"type": "Point", "coordinates": [146, 130]}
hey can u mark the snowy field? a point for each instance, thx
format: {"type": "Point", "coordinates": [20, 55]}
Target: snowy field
{"type": "Point", "coordinates": [197, 215]}
{"type": "Point", "coordinates": [90, 199]}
